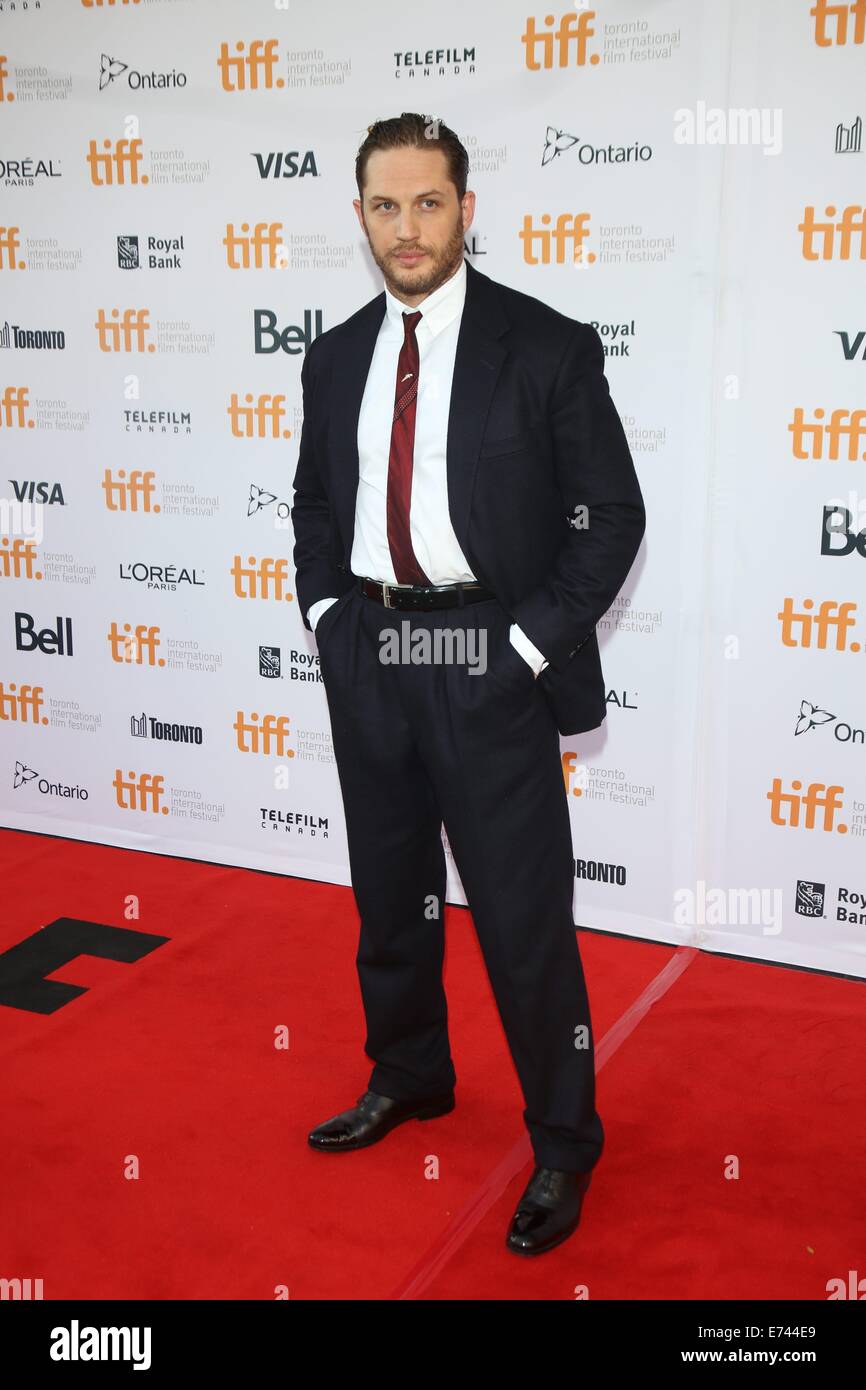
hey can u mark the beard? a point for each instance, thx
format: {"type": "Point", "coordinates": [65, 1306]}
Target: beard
{"type": "Point", "coordinates": [438, 265]}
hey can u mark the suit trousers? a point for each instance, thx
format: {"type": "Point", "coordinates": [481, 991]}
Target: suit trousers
{"type": "Point", "coordinates": [456, 730]}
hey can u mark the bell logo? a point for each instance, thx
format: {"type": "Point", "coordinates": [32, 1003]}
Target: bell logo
{"type": "Point", "coordinates": [141, 792]}
{"type": "Point", "coordinates": [260, 417]}
{"type": "Point", "coordinates": [134, 646]}
{"type": "Point", "coordinates": [127, 334]}
{"type": "Point", "coordinates": [132, 494]}
{"type": "Point", "coordinates": [557, 45]}
{"type": "Point", "coordinates": [118, 164]}
{"type": "Point", "coordinates": [265, 578]}
{"type": "Point", "coordinates": [262, 248]}
{"type": "Point", "coordinates": [571, 230]}
{"type": "Point", "coordinates": [10, 242]}
{"type": "Point", "coordinates": [249, 69]}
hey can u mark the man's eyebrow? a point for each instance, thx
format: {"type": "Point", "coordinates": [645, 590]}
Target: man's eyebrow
{"type": "Point", "coordinates": [383, 197]}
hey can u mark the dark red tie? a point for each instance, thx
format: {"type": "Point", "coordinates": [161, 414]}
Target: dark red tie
{"type": "Point", "coordinates": [399, 494]}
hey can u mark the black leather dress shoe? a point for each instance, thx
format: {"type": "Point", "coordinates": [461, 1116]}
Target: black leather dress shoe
{"type": "Point", "coordinates": [372, 1118]}
{"type": "Point", "coordinates": [548, 1211]}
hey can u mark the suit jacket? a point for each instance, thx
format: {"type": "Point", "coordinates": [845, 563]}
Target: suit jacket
{"type": "Point", "coordinates": [532, 435]}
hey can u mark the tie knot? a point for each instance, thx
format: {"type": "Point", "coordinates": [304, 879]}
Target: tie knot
{"type": "Point", "coordinates": [410, 320]}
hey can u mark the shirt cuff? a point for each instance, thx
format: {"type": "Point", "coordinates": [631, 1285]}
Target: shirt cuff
{"type": "Point", "coordinates": [519, 640]}
{"type": "Point", "coordinates": [316, 610]}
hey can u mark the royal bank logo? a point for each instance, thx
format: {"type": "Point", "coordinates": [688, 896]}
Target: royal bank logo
{"type": "Point", "coordinates": [127, 253]}
{"type": "Point", "coordinates": [269, 662]}
{"type": "Point", "coordinates": [809, 898]}
{"type": "Point", "coordinates": [163, 253]}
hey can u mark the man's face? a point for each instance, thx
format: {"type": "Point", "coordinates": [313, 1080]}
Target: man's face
{"type": "Point", "coordinates": [411, 205]}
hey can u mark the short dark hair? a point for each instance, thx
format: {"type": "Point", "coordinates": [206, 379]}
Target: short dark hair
{"type": "Point", "coordinates": [411, 130]}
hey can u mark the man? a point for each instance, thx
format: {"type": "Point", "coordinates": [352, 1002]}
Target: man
{"type": "Point", "coordinates": [462, 473]}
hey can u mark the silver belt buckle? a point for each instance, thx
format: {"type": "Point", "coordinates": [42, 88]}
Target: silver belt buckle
{"type": "Point", "coordinates": [386, 597]}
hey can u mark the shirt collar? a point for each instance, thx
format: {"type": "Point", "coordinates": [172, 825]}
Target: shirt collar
{"type": "Point", "coordinates": [439, 308]}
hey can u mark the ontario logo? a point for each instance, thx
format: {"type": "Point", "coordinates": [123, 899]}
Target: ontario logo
{"type": "Point", "coordinates": [112, 70]}
{"type": "Point", "coordinates": [26, 776]}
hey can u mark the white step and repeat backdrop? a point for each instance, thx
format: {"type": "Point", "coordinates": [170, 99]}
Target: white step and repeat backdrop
{"type": "Point", "coordinates": [176, 227]}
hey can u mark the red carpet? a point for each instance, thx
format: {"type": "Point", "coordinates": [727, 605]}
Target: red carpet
{"type": "Point", "coordinates": [168, 1061]}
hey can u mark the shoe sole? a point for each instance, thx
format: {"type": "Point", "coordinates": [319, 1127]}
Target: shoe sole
{"type": "Point", "coordinates": [426, 1112]}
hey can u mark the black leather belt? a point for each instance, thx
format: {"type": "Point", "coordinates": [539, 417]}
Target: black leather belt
{"type": "Point", "coordinates": [419, 597]}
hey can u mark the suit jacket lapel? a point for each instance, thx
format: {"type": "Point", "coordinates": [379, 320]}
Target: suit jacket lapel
{"type": "Point", "coordinates": [477, 365]}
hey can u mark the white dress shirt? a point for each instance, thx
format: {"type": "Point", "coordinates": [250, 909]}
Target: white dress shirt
{"type": "Point", "coordinates": [433, 539]}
